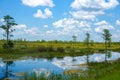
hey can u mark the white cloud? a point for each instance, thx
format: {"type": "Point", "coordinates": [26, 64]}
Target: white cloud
{"type": "Point", "coordinates": [21, 26]}
{"type": "Point", "coordinates": [25, 32]}
{"type": "Point", "coordinates": [1, 20]}
{"type": "Point", "coordinates": [102, 25]}
{"type": "Point", "coordinates": [45, 26]}
{"type": "Point", "coordinates": [116, 36]}
{"type": "Point", "coordinates": [50, 31]}
{"type": "Point", "coordinates": [33, 31]}
{"type": "Point", "coordinates": [23, 29]}
{"type": "Point", "coordinates": [70, 26]}
{"type": "Point", "coordinates": [109, 4]}
{"type": "Point", "coordinates": [79, 4]}
{"type": "Point", "coordinates": [89, 9]}
{"type": "Point", "coordinates": [65, 22]}
{"type": "Point", "coordinates": [46, 14]}
{"type": "Point", "coordinates": [118, 22]}
{"type": "Point", "coordinates": [35, 3]}
{"type": "Point", "coordinates": [94, 4]}
{"type": "Point", "coordinates": [70, 22]}
{"type": "Point", "coordinates": [86, 15]}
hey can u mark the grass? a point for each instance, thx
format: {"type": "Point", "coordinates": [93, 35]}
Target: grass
{"type": "Point", "coordinates": [64, 45]}
{"type": "Point", "coordinates": [105, 71]}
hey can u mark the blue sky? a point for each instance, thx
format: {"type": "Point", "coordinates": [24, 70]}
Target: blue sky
{"type": "Point", "coordinates": [60, 19]}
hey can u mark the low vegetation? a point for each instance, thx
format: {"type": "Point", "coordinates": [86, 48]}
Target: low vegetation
{"type": "Point", "coordinates": [52, 49]}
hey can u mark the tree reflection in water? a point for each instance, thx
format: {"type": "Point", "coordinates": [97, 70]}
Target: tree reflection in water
{"type": "Point", "coordinates": [7, 71]}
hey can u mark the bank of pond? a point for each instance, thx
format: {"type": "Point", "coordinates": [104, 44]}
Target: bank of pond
{"type": "Point", "coordinates": [92, 67]}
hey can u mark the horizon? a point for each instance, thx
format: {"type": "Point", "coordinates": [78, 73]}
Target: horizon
{"type": "Point", "coordinates": [60, 20]}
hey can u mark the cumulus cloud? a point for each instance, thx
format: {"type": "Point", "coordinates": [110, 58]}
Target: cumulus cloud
{"type": "Point", "coordinates": [1, 20]}
{"type": "Point", "coordinates": [21, 26]}
{"type": "Point", "coordinates": [68, 26]}
{"type": "Point", "coordinates": [116, 36]}
{"type": "Point", "coordinates": [102, 25]}
{"type": "Point", "coordinates": [46, 14]}
{"type": "Point", "coordinates": [118, 22]}
{"type": "Point", "coordinates": [65, 22]}
{"type": "Point", "coordinates": [89, 9]}
{"type": "Point", "coordinates": [23, 29]}
{"type": "Point", "coordinates": [35, 3]}
{"type": "Point", "coordinates": [33, 31]}
{"type": "Point", "coordinates": [69, 22]}
{"type": "Point", "coordinates": [50, 31]}
{"type": "Point", "coordinates": [94, 4]}
{"type": "Point", "coordinates": [45, 26]}
{"type": "Point", "coordinates": [85, 15]}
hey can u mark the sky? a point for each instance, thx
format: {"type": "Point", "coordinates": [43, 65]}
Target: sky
{"type": "Point", "coordinates": [61, 19]}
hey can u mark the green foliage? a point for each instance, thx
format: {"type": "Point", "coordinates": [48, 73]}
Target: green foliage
{"type": "Point", "coordinates": [92, 42]}
{"type": "Point", "coordinates": [109, 54]}
{"type": "Point", "coordinates": [50, 49]}
{"type": "Point", "coordinates": [107, 37]}
{"type": "Point", "coordinates": [87, 40]}
{"type": "Point", "coordinates": [41, 49]}
{"type": "Point", "coordinates": [8, 45]}
{"type": "Point", "coordinates": [60, 49]}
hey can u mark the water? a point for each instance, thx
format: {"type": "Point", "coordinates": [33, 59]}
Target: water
{"type": "Point", "coordinates": [58, 65]}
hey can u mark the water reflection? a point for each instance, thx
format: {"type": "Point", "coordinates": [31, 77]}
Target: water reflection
{"type": "Point", "coordinates": [68, 63]}
{"type": "Point", "coordinates": [6, 71]}
{"type": "Point", "coordinates": [58, 65]}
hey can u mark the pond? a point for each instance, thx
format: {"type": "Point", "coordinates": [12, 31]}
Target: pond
{"type": "Point", "coordinates": [13, 68]}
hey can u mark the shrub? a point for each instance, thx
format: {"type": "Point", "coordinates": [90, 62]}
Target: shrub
{"type": "Point", "coordinates": [50, 49]}
{"type": "Point", "coordinates": [42, 49]}
{"type": "Point", "coordinates": [10, 44]}
{"type": "Point", "coordinates": [60, 49]}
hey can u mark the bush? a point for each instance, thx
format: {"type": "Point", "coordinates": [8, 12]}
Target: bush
{"type": "Point", "coordinates": [50, 49]}
{"type": "Point", "coordinates": [45, 49]}
{"type": "Point", "coordinates": [42, 49]}
{"type": "Point", "coordinates": [60, 49]}
{"type": "Point", "coordinates": [8, 45]}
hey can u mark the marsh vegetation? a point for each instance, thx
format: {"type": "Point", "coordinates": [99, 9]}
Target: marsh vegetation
{"type": "Point", "coordinates": [15, 52]}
